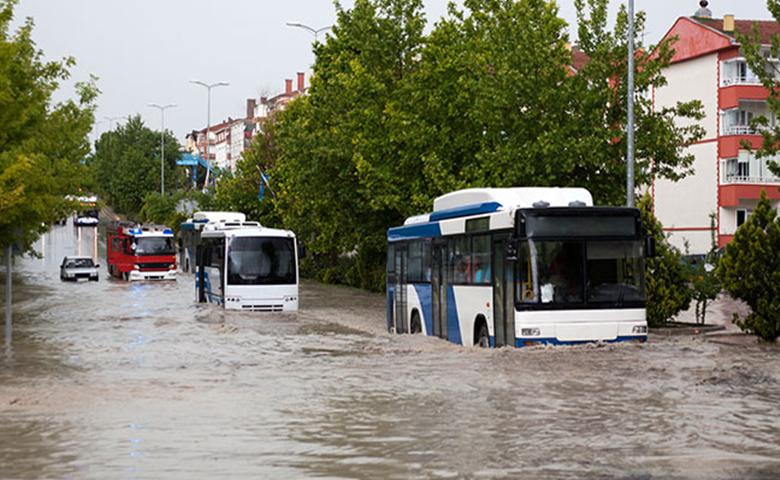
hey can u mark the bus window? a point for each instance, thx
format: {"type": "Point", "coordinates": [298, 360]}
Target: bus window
{"type": "Point", "coordinates": [615, 272]}
{"type": "Point", "coordinates": [390, 258]}
{"type": "Point", "coordinates": [459, 262]}
{"type": "Point", "coordinates": [426, 261]}
{"type": "Point", "coordinates": [420, 262]}
{"type": "Point", "coordinates": [560, 267]}
{"type": "Point", "coordinates": [525, 285]}
{"type": "Point", "coordinates": [261, 261]}
{"type": "Point", "coordinates": [415, 263]}
{"type": "Point", "coordinates": [481, 259]}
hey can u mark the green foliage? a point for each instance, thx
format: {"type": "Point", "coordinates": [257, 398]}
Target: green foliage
{"type": "Point", "coordinates": [395, 118]}
{"type": "Point", "coordinates": [341, 152]}
{"type": "Point", "coordinates": [751, 49]}
{"type": "Point", "coordinates": [705, 284]}
{"type": "Point", "coordinates": [750, 270]}
{"type": "Point", "coordinates": [601, 99]}
{"type": "Point", "coordinates": [126, 164]}
{"type": "Point", "coordinates": [241, 192]}
{"type": "Point", "coordinates": [666, 277]}
{"type": "Point", "coordinates": [166, 210]}
{"type": "Point", "coordinates": [42, 144]}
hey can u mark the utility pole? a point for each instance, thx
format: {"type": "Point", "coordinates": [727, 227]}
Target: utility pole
{"type": "Point", "coordinates": [630, 132]}
{"type": "Point", "coordinates": [8, 287]}
{"type": "Point", "coordinates": [162, 109]}
{"type": "Point", "coordinates": [208, 122]}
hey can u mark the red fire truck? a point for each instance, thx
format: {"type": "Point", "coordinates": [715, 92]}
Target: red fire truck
{"type": "Point", "coordinates": [139, 252]}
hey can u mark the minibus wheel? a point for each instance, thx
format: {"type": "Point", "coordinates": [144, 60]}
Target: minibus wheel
{"type": "Point", "coordinates": [415, 326]}
{"type": "Point", "coordinates": [482, 338]}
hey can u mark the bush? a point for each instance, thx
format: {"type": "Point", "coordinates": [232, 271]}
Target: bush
{"type": "Point", "coordinates": [750, 270]}
{"type": "Point", "coordinates": [666, 277]}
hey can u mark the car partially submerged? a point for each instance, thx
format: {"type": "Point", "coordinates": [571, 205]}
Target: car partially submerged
{"type": "Point", "coordinates": [78, 268]}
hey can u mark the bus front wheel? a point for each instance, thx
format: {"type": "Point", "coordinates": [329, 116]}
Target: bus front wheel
{"type": "Point", "coordinates": [415, 326]}
{"type": "Point", "coordinates": [482, 339]}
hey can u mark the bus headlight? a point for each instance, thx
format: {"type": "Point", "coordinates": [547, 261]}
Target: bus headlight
{"type": "Point", "coordinates": [530, 332]}
{"type": "Point", "coordinates": [640, 329]}
{"type": "Point", "coordinates": [290, 299]}
{"type": "Point", "coordinates": [136, 266]}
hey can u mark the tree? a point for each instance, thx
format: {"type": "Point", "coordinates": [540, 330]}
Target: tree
{"type": "Point", "coordinates": [337, 145]}
{"type": "Point", "coordinates": [394, 118]}
{"type": "Point", "coordinates": [601, 95]}
{"type": "Point", "coordinates": [666, 276]}
{"type": "Point", "coordinates": [767, 72]}
{"type": "Point", "coordinates": [42, 145]}
{"type": "Point", "coordinates": [705, 284]}
{"type": "Point", "coordinates": [750, 270]}
{"type": "Point", "coordinates": [497, 104]}
{"type": "Point", "coordinates": [127, 164]}
{"type": "Point", "coordinates": [242, 191]}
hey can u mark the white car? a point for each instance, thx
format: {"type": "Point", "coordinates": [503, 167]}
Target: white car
{"type": "Point", "coordinates": [77, 268]}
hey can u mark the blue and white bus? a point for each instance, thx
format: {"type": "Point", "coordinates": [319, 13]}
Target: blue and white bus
{"type": "Point", "coordinates": [244, 266]}
{"type": "Point", "coordinates": [519, 267]}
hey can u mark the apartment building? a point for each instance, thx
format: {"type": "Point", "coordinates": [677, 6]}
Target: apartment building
{"type": "Point", "coordinates": [228, 140]}
{"type": "Point", "coordinates": [728, 179]}
{"type": "Point", "coordinates": [266, 106]}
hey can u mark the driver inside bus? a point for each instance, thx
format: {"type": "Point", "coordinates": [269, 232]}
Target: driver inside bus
{"type": "Point", "coordinates": [562, 282]}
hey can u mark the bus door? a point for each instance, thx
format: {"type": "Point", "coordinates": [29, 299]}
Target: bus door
{"type": "Point", "coordinates": [401, 276]}
{"type": "Point", "coordinates": [503, 293]}
{"type": "Point", "coordinates": [439, 289]}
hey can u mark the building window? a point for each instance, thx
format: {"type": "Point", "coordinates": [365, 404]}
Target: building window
{"type": "Point", "coordinates": [742, 216]}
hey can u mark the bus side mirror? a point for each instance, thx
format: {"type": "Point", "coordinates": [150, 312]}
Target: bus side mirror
{"type": "Point", "coordinates": [511, 250]}
{"type": "Point", "coordinates": [650, 246]}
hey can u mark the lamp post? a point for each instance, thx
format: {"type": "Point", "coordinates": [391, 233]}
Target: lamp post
{"type": "Point", "coordinates": [208, 122]}
{"type": "Point", "coordinates": [162, 109]}
{"type": "Point", "coordinates": [630, 132]}
{"type": "Point", "coordinates": [315, 32]}
{"type": "Point", "coordinates": [110, 131]}
{"type": "Point", "coordinates": [111, 121]}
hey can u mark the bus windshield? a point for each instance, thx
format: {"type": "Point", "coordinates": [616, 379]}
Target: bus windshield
{"type": "Point", "coordinates": [595, 272]}
{"type": "Point", "coordinates": [154, 246]}
{"type": "Point", "coordinates": [261, 261]}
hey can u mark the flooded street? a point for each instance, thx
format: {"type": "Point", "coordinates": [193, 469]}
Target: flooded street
{"type": "Point", "coordinates": [134, 380]}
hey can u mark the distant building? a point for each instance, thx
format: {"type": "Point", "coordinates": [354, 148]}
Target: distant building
{"type": "Point", "coordinates": [266, 107]}
{"type": "Point", "coordinates": [709, 66]}
{"type": "Point", "coordinates": [229, 139]}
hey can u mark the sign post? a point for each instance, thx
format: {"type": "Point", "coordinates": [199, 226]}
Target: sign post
{"type": "Point", "coordinates": [8, 284]}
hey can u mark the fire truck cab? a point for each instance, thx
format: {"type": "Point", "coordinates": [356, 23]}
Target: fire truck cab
{"type": "Point", "coordinates": [141, 252]}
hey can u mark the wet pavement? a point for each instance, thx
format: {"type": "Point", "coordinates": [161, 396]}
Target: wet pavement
{"type": "Point", "coordinates": [134, 380]}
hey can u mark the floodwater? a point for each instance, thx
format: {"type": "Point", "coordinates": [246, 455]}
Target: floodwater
{"type": "Point", "coordinates": [133, 380]}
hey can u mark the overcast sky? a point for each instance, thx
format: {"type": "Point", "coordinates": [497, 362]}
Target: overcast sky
{"type": "Point", "coordinates": [147, 51]}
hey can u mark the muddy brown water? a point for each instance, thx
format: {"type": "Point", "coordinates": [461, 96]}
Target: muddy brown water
{"type": "Point", "coordinates": [134, 380]}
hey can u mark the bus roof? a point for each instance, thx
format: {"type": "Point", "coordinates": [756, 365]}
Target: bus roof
{"type": "Point", "coordinates": [250, 229]}
{"type": "Point", "coordinates": [519, 197]}
{"type": "Point", "coordinates": [475, 201]}
{"type": "Point", "coordinates": [205, 217]}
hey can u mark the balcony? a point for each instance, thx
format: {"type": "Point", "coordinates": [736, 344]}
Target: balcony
{"type": "Point", "coordinates": [740, 130]}
{"type": "Point", "coordinates": [736, 71]}
{"type": "Point", "coordinates": [747, 169]}
{"type": "Point", "coordinates": [741, 80]}
{"type": "Point", "coordinates": [738, 120]}
{"type": "Point", "coordinates": [743, 180]}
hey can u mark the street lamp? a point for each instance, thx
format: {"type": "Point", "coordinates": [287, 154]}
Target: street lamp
{"type": "Point", "coordinates": [208, 124]}
{"type": "Point", "coordinates": [315, 32]}
{"type": "Point", "coordinates": [111, 121]}
{"type": "Point", "coordinates": [162, 109]}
